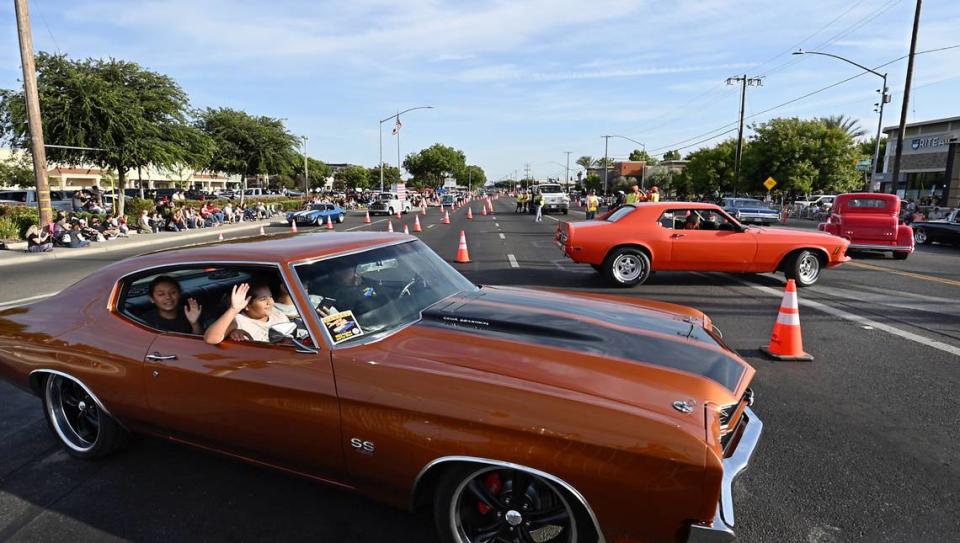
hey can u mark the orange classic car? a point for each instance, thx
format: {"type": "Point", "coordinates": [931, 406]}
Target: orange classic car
{"type": "Point", "coordinates": [517, 415]}
{"type": "Point", "coordinates": [634, 240]}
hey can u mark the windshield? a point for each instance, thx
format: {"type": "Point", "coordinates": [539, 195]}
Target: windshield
{"type": "Point", "coordinates": [549, 188]}
{"type": "Point", "coordinates": [748, 203]}
{"type": "Point", "coordinates": [620, 213]}
{"type": "Point", "coordinates": [376, 291]}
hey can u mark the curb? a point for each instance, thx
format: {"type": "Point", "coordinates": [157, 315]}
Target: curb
{"type": "Point", "coordinates": [62, 253]}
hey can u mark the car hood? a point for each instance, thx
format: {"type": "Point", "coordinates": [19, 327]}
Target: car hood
{"type": "Point", "coordinates": [646, 355]}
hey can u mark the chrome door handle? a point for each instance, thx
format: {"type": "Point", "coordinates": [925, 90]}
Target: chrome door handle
{"type": "Point", "coordinates": [675, 236]}
{"type": "Point", "coordinates": [158, 357]}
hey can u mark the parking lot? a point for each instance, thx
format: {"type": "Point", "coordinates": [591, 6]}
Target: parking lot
{"type": "Point", "coordinates": [857, 445]}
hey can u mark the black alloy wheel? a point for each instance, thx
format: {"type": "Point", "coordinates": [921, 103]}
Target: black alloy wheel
{"type": "Point", "coordinates": [500, 505]}
{"type": "Point", "coordinates": [77, 420]}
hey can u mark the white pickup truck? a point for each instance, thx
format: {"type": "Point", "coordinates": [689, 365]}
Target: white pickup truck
{"type": "Point", "coordinates": [389, 203]}
{"type": "Point", "coordinates": [554, 199]}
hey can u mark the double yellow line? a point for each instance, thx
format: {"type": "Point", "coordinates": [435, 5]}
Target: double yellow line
{"type": "Point", "coordinates": [923, 277]}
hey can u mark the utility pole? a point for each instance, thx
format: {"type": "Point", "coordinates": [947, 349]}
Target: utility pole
{"type": "Point", "coordinates": [744, 83]}
{"type": "Point", "coordinates": [901, 131]}
{"type": "Point", "coordinates": [606, 162]}
{"type": "Point", "coordinates": [33, 112]}
{"type": "Point", "coordinates": [567, 180]}
{"type": "Point", "coordinates": [306, 168]}
{"type": "Point", "coordinates": [527, 175]}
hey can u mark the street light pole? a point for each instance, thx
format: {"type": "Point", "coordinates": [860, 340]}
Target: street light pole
{"type": "Point", "coordinates": [884, 98]}
{"type": "Point", "coordinates": [606, 160]}
{"type": "Point", "coordinates": [606, 152]}
{"type": "Point", "coordinates": [395, 116]}
{"type": "Point", "coordinates": [306, 168]}
{"type": "Point", "coordinates": [567, 180]}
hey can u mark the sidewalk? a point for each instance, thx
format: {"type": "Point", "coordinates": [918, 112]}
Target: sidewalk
{"type": "Point", "coordinates": [14, 257]}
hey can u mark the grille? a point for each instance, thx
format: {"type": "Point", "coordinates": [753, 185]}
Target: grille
{"type": "Point", "coordinates": [727, 425]}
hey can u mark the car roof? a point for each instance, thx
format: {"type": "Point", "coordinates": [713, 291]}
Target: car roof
{"type": "Point", "coordinates": [280, 248]}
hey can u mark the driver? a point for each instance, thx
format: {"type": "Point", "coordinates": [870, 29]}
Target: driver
{"type": "Point", "coordinates": [345, 290]}
{"type": "Point", "coordinates": [692, 222]}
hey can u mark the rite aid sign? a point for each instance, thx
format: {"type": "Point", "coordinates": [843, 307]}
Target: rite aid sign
{"type": "Point", "coordinates": [927, 141]}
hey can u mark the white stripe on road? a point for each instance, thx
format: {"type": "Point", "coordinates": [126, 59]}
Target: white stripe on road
{"type": "Point", "coordinates": [502, 236]}
{"type": "Point", "coordinates": [496, 224]}
{"type": "Point", "coordinates": [513, 261]}
{"type": "Point", "coordinates": [554, 218]}
{"type": "Point", "coordinates": [24, 301]}
{"type": "Point", "coordinates": [862, 321]}
{"type": "Point", "coordinates": [364, 225]}
{"type": "Point", "coordinates": [431, 226]}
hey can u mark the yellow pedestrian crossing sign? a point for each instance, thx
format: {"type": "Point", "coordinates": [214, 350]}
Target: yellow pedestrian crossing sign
{"type": "Point", "coordinates": [770, 183]}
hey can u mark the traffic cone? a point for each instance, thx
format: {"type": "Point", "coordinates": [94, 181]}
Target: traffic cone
{"type": "Point", "coordinates": [406, 230]}
{"type": "Point", "coordinates": [446, 218]}
{"type": "Point", "coordinates": [463, 256]}
{"type": "Point", "coordinates": [220, 236]}
{"type": "Point", "coordinates": [366, 219]}
{"type": "Point", "coordinates": [293, 225]}
{"type": "Point", "coordinates": [786, 342]}
{"type": "Point", "coordinates": [416, 224]}
{"type": "Point", "coordinates": [261, 231]}
{"type": "Point", "coordinates": [483, 211]}
{"type": "Point", "coordinates": [470, 213]}
{"type": "Point", "coordinates": [389, 225]}
{"type": "Point", "coordinates": [399, 218]}
{"type": "Point", "coordinates": [423, 210]}
{"type": "Point", "coordinates": [329, 222]}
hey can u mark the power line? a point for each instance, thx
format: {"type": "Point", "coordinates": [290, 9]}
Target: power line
{"type": "Point", "coordinates": [50, 32]}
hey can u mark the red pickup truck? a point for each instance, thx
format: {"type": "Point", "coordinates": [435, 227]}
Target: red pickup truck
{"type": "Point", "coordinates": [871, 222]}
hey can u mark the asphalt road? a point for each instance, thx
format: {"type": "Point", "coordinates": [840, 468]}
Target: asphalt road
{"type": "Point", "coordinates": [858, 445]}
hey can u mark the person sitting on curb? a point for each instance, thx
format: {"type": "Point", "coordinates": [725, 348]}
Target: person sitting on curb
{"type": "Point", "coordinates": [38, 240]}
{"type": "Point", "coordinates": [144, 223]}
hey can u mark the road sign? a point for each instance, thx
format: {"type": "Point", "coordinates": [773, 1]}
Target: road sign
{"type": "Point", "coordinates": [864, 165]}
{"type": "Point", "coordinates": [770, 183]}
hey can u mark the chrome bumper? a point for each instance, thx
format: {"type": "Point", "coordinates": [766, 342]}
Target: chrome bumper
{"type": "Point", "coordinates": [721, 529]}
{"type": "Point", "coordinates": [866, 247]}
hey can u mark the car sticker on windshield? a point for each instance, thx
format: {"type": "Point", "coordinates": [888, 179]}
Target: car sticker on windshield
{"type": "Point", "coordinates": [342, 326]}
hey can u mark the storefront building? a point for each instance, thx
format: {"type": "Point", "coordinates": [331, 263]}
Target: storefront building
{"type": "Point", "coordinates": [929, 167]}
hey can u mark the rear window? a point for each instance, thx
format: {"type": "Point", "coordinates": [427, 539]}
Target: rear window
{"type": "Point", "coordinates": [15, 196]}
{"type": "Point", "coordinates": [869, 203]}
{"type": "Point", "coordinates": [620, 213]}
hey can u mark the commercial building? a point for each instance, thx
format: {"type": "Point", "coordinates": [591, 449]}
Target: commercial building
{"type": "Point", "coordinates": [929, 166]}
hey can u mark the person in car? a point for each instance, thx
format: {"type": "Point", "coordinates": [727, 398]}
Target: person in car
{"type": "Point", "coordinates": [692, 222]}
{"type": "Point", "coordinates": [249, 317]}
{"type": "Point", "coordinates": [166, 314]}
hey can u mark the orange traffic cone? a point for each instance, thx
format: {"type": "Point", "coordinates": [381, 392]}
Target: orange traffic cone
{"type": "Point", "coordinates": [423, 210]}
{"type": "Point", "coordinates": [470, 213]}
{"type": "Point", "coordinates": [406, 230]}
{"type": "Point", "coordinates": [483, 211]}
{"type": "Point", "coordinates": [416, 224]}
{"type": "Point", "coordinates": [366, 219]}
{"type": "Point", "coordinates": [398, 216]}
{"type": "Point", "coordinates": [389, 225]}
{"type": "Point", "coordinates": [261, 231]}
{"type": "Point", "coordinates": [463, 256]}
{"type": "Point", "coordinates": [220, 236]}
{"type": "Point", "coordinates": [786, 342]}
{"type": "Point", "coordinates": [446, 218]}
{"type": "Point", "coordinates": [329, 222]}
{"type": "Point", "coordinates": [293, 225]}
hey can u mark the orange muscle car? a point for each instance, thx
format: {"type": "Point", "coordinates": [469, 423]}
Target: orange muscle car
{"type": "Point", "coordinates": [630, 242]}
{"type": "Point", "coordinates": [517, 415]}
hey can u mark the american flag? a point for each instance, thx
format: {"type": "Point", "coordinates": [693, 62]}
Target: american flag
{"type": "Point", "coordinates": [396, 127]}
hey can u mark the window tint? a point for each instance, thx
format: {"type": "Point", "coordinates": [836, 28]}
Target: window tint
{"type": "Point", "coordinates": [620, 213]}
{"type": "Point", "coordinates": [875, 203]}
{"type": "Point", "coordinates": [14, 196]}
{"type": "Point", "coordinates": [696, 219]}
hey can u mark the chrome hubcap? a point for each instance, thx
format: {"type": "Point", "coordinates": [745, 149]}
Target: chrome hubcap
{"type": "Point", "coordinates": [513, 517]}
{"type": "Point", "coordinates": [920, 236]}
{"type": "Point", "coordinates": [627, 268]}
{"type": "Point", "coordinates": [809, 268]}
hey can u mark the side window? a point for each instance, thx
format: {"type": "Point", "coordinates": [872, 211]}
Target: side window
{"type": "Point", "coordinates": [695, 219]}
{"type": "Point", "coordinates": [190, 299]}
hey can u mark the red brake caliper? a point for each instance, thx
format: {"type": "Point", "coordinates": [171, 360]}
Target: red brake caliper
{"type": "Point", "coordinates": [493, 484]}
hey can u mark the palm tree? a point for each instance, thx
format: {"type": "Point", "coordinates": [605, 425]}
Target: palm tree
{"type": "Point", "coordinates": [586, 162]}
{"type": "Point", "coordinates": [847, 124]}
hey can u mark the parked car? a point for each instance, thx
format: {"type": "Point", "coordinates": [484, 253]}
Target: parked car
{"type": "Point", "coordinates": [492, 405]}
{"type": "Point", "coordinates": [941, 231]}
{"type": "Point", "coordinates": [750, 210]}
{"type": "Point", "coordinates": [389, 204]}
{"type": "Point", "coordinates": [317, 214]}
{"type": "Point", "coordinates": [824, 201]}
{"type": "Point", "coordinates": [630, 242]}
{"type": "Point", "coordinates": [870, 220]}
{"type": "Point", "coordinates": [59, 200]}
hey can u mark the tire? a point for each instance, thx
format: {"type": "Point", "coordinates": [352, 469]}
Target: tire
{"type": "Point", "coordinates": [340, 218]}
{"type": "Point", "coordinates": [462, 512]}
{"type": "Point", "coordinates": [390, 211]}
{"type": "Point", "coordinates": [804, 268]}
{"type": "Point", "coordinates": [920, 237]}
{"type": "Point", "coordinates": [318, 222]}
{"type": "Point", "coordinates": [900, 255]}
{"type": "Point", "coordinates": [627, 267]}
{"type": "Point", "coordinates": [74, 416]}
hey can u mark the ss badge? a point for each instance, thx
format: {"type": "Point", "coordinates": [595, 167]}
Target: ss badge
{"type": "Point", "coordinates": [359, 445]}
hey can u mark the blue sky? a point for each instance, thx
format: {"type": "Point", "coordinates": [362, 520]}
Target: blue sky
{"type": "Point", "coordinates": [512, 82]}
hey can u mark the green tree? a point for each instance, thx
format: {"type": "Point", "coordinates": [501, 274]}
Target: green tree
{"type": "Point", "coordinates": [802, 155]}
{"type": "Point", "coordinates": [598, 163]}
{"type": "Point", "coordinates": [847, 125]}
{"type": "Point", "coordinates": [710, 170]}
{"type": "Point", "coordinates": [319, 172]}
{"type": "Point", "coordinates": [353, 177]}
{"type": "Point", "coordinates": [585, 162]}
{"type": "Point", "coordinates": [641, 155]}
{"type": "Point", "coordinates": [867, 148]}
{"type": "Point", "coordinates": [472, 175]}
{"type": "Point", "coordinates": [133, 116]}
{"type": "Point", "coordinates": [435, 163]}
{"type": "Point", "coordinates": [593, 182]}
{"type": "Point", "coordinates": [18, 170]}
{"type": "Point", "coordinates": [247, 145]}
{"type": "Point", "coordinates": [391, 176]}
{"type": "Point", "coordinates": [671, 155]}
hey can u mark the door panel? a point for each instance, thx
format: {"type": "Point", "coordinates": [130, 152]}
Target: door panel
{"type": "Point", "coordinates": [267, 401]}
{"type": "Point", "coordinates": [713, 250]}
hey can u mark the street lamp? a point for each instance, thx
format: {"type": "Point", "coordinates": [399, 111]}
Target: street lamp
{"type": "Point", "coordinates": [606, 166]}
{"type": "Point", "coordinates": [397, 117]}
{"type": "Point", "coordinates": [884, 99]}
{"type": "Point", "coordinates": [306, 168]}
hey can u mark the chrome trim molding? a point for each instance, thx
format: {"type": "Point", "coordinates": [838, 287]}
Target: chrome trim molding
{"type": "Point", "coordinates": [85, 388]}
{"type": "Point", "coordinates": [510, 465]}
{"type": "Point", "coordinates": [879, 247]}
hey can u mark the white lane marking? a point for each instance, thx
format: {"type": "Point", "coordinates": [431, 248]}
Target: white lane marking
{"type": "Point", "coordinates": [513, 261]}
{"type": "Point", "coordinates": [554, 218]}
{"type": "Point", "coordinates": [502, 236]}
{"type": "Point", "coordinates": [24, 301]}
{"type": "Point", "coordinates": [431, 226]}
{"type": "Point", "coordinates": [496, 224]}
{"type": "Point", "coordinates": [364, 225]}
{"type": "Point", "coordinates": [862, 321]}
{"type": "Point", "coordinates": [494, 218]}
